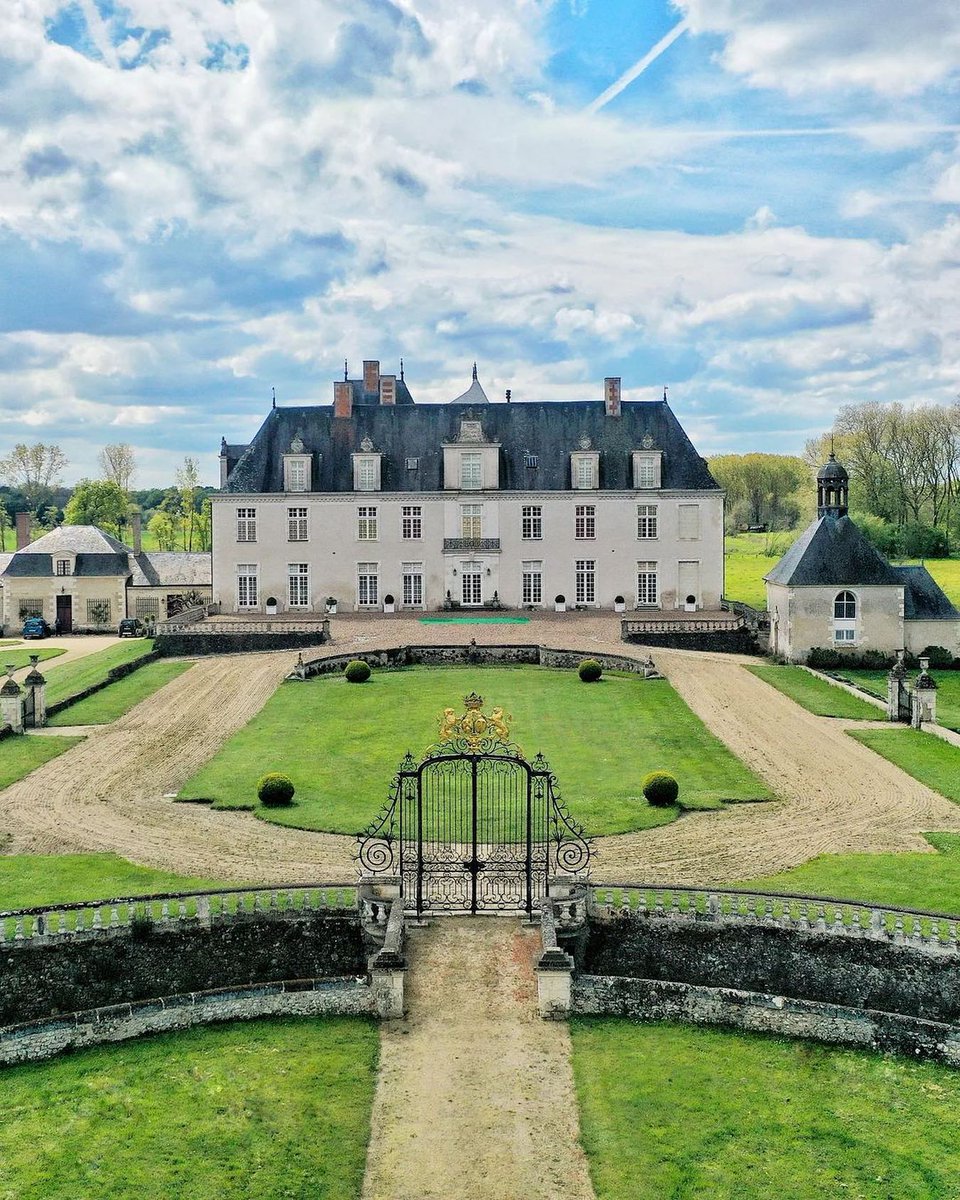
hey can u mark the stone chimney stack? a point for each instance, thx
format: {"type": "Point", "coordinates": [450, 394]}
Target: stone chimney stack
{"type": "Point", "coordinates": [23, 530]}
{"type": "Point", "coordinates": [136, 530]}
{"type": "Point", "coordinates": [343, 399]}
{"type": "Point", "coordinates": [611, 395]}
{"type": "Point", "coordinates": [371, 375]}
{"type": "Point", "coordinates": [388, 389]}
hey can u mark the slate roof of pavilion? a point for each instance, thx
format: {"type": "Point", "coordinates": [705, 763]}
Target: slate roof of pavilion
{"type": "Point", "coordinates": [832, 551]}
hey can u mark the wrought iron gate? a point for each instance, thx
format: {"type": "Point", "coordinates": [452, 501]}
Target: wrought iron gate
{"type": "Point", "coordinates": [473, 826]}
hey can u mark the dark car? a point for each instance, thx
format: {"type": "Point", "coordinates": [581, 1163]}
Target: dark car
{"type": "Point", "coordinates": [131, 627]}
{"type": "Point", "coordinates": [35, 627]}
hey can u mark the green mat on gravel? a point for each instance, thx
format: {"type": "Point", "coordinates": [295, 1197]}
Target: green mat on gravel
{"type": "Point", "coordinates": [474, 620]}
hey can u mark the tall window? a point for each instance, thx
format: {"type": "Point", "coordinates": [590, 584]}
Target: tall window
{"type": "Point", "coordinates": [471, 520]}
{"type": "Point", "coordinates": [297, 475]}
{"type": "Point", "coordinates": [531, 522]}
{"type": "Point", "coordinates": [845, 617]}
{"type": "Point", "coordinates": [63, 566]}
{"type": "Point", "coordinates": [532, 583]}
{"type": "Point", "coordinates": [368, 583]}
{"type": "Point", "coordinates": [471, 470]}
{"type": "Point", "coordinates": [247, 590]}
{"type": "Point", "coordinates": [366, 475]}
{"type": "Point", "coordinates": [471, 583]}
{"type": "Point", "coordinates": [688, 521]}
{"type": "Point", "coordinates": [586, 577]}
{"type": "Point", "coordinates": [645, 471]}
{"type": "Point", "coordinates": [411, 522]}
{"type": "Point", "coordinates": [367, 523]}
{"type": "Point", "coordinates": [296, 524]}
{"type": "Point", "coordinates": [412, 580]}
{"type": "Point", "coordinates": [584, 473]}
{"type": "Point", "coordinates": [646, 520]}
{"type": "Point", "coordinates": [246, 524]}
{"type": "Point", "coordinates": [648, 594]}
{"type": "Point", "coordinates": [586, 521]}
{"type": "Point", "coordinates": [298, 584]}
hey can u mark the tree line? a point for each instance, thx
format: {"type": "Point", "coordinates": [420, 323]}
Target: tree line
{"type": "Point", "coordinates": [178, 517]}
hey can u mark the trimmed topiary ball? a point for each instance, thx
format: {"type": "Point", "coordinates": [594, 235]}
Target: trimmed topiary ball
{"type": "Point", "coordinates": [357, 671]}
{"type": "Point", "coordinates": [590, 670]}
{"type": "Point", "coordinates": [275, 789]}
{"type": "Point", "coordinates": [660, 789]}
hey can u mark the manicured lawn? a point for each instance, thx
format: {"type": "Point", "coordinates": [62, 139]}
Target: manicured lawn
{"type": "Point", "coordinates": [815, 695]}
{"type": "Point", "coordinates": [929, 881]}
{"type": "Point", "coordinates": [341, 744]}
{"type": "Point", "coordinates": [948, 691]}
{"type": "Point", "coordinates": [670, 1111]}
{"type": "Point", "coordinates": [21, 656]}
{"type": "Point", "coordinates": [21, 755]}
{"type": "Point", "coordinates": [265, 1110]}
{"type": "Point", "coordinates": [73, 677]}
{"type": "Point", "coordinates": [103, 707]}
{"type": "Point", "coordinates": [922, 755]}
{"type": "Point", "coordinates": [29, 880]}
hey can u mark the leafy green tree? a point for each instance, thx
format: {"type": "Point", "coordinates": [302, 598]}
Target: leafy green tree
{"type": "Point", "coordinates": [762, 489]}
{"type": "Point", "coordinates": [34, 470]}
{"type": "Point", "coordinates": [99, 502]}
{"type": "Point", "coordinates": [165, 529]}
{"type": "Point", "coordinates": [5, 523]}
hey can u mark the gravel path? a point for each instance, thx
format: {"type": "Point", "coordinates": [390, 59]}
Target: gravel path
{"type": "Point", "coordinates": [475, 1097]}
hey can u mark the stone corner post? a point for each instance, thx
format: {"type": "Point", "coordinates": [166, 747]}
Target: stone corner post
{"type": "Point", "coordinates": [36, 685]}
{"type": "Point", "coordinates": [554, 970]}
{"type": "Point", "coordinates": [11, 703]}
{"type": "Point", "coordinates": [924, 708]}
{"type": "Point", "coordinates": [388, 967]}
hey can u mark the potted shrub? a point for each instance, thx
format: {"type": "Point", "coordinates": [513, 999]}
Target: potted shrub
{"type": "Point", "coordinates": [271, 606]}
{"type": "Point", "coordinates": [389, 604]}
{"type": "Point", "coordinates": [559, 604]}
{"type": "Point", "coordinates": [331, 605]}
{"type": "Point", "coordinates": [619, 604]}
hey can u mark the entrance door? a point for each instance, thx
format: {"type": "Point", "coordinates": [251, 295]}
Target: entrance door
{"type": "Point", "coordinates": [65, 613]}
{"type": "Point", "coordinates": [471, 585]}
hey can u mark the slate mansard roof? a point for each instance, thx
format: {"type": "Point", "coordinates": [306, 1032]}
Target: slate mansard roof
{"type": "Point", "coordinates": [832, 552]}
{"type": "Point", "coordinates": [542, 432]}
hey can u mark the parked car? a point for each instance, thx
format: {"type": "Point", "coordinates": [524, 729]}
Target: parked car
{"type": "Point", "coordinates": [35, 627]}
{"type": "Point", "coordinates": [132, 627]}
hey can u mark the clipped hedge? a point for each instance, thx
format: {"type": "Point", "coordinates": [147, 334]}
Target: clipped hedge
{"type": "Point", "coordinates": [357, 671]}
{"type": "Point", "coordinates": [589, 670]}
{"type": "Point", "coordinates": [660, 788]}
{"type": "Point", "coordinates": [274, 790]}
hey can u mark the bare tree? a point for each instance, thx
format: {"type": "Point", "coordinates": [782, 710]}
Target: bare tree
{"type": "Point", "coordinates": [34, 470]}
{"type": "Point", "coordinates": [188, 483]}
{"type": "Point", "coordinates": [118, 464]}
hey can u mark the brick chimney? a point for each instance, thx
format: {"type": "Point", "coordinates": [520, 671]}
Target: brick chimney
{"type": "Point", "coordinates": [371, 375]}
{"type": "Point", "coordinates": [23, 530]}
{"type": "Point", "coordinates": [388, 389]}
{"type": "Point", "coordinates": [611, 395]}
{"type": "Point", "coordinates": [343, 399]}
{"type": "Point", "coordinates": [136, 531]}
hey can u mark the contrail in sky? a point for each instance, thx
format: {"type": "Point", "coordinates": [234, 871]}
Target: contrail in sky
{"type": "Point", "coordinates": [637, 69]}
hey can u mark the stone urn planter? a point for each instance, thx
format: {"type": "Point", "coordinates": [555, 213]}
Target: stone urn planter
{"type": "Point", "coordinates": [619, 605]}
{"type": "Point", "coordinates": [271, 606]}
{"type": "Point", "coordinates": [331, 606]}
{"type": "Point", "coordinates": [389, 604]}
{"type": "Point", "coordinates": [560, 604]}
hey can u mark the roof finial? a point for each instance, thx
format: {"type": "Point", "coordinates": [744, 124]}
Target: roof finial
{"type": "Point", "coordinates": [474, 372]}
{"type": "Point", "coordinates": [345, 374]}
{"type": "Point", "coordinates": [665, 393]}
{"type": "Point", "coordinates": [831, 444]}
{"type": "Point", "coordinates": [274, 391]}
{"type": "Point", "coordinates": [401, 370]}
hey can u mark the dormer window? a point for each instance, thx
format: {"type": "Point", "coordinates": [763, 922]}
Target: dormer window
{"type": "Point", "coordinates": [647, 469]}
{"type": "Point", "coordinates": [366, 470]}
{"type": "Point", "coordinates": [297, 471]}
{"type": "Point", "coordinates": [64, 566]}
{"type": "Point", "coordinates": [584, 470]}
{"type": "Point", "coordinates": [471, 471]}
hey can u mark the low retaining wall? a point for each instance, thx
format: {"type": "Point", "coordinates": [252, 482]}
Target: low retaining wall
{"type": "Point", "coordinates": [722, 641]}
{"type": "Point", "coordinates": [113, 675]}
{"type": "Point", "coordinates": [37, 1040]}
{"type": "Point", "coordinates": [196, 641]}
{"type": "Point", "coordinates": [445, 656]}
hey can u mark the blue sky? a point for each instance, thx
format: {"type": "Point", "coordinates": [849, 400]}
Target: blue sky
{"type": "Point", "coordinates": [203, 200]}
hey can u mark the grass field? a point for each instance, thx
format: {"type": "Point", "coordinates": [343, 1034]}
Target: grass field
{"type": "Point", "coordinates": [21, 755]}
{"type": "Point", "coordinates": [928, 881]}
{"type": "Point", "coordinates": [948, 691]}
{"type": "Point", "coordinates": [922, 755]}
{"type": "Point", "coordinates": [339, 743]}
{"type": "Point", "coordinates": [265, 1110]}
{"type": "Point", "coordinates": [815, 695]}
{"type": "Point", "coordinates": [701, 1114]}
{"type": "Point", "coordinates": [21, 656]}
{"type": "Point", "coordinates": [103, 707]}
{"type": "Point", "coordinates": [29, 880]}
{"type": "Point", "coordinates": [72, 677]}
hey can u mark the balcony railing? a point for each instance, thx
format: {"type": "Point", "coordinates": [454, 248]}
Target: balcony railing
{"type": "Point", "coordinates": [471, 545]}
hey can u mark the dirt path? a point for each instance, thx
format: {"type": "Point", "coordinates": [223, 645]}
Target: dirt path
{"type": "Point", "coordinates": [475, 1093]}
{"type": "Point", "coordinates": [108, 792]}
{"type": "Point", "coordinates": [837, 796]}
{"type": "Point", "coordinates": [74, 647]}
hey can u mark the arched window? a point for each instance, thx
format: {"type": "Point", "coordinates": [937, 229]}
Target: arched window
{"type": "Point", "coordinates": [845, 606]}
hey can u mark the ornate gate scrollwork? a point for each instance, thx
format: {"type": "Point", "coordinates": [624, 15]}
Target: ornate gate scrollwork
{"type": "Point", "coordinates": [473, 826]}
